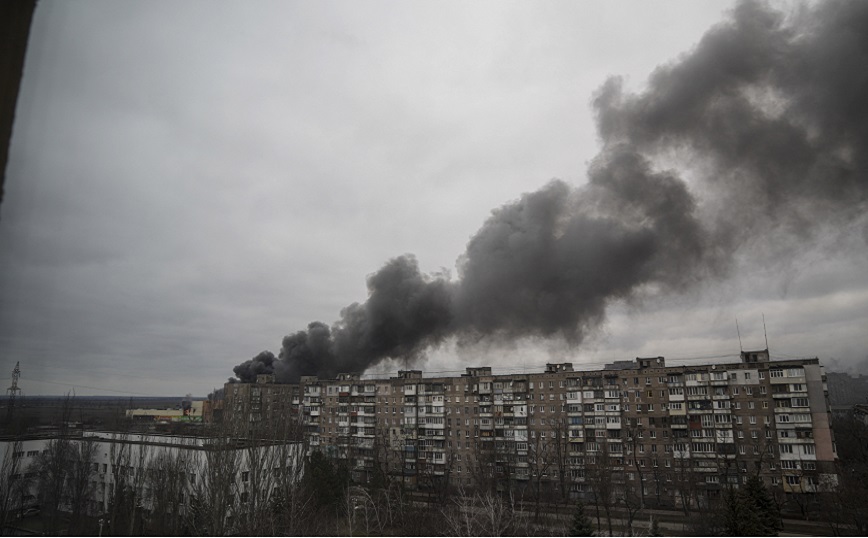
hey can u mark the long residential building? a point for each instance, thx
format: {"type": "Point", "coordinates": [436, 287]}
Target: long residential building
{"type": "Point", "coordinates": [665, 434]}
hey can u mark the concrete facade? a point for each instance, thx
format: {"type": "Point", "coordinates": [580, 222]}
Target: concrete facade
{"type": "Point", "coordinates": [655, 430]}
{"type": "Point", "coordinates": [131, 458]}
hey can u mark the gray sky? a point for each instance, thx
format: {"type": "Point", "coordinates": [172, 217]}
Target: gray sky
{"type": "Point", "coordinates": [189, 183]}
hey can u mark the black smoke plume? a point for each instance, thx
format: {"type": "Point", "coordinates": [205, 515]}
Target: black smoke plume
{"type": "Point", "coordinates": [768, 117]}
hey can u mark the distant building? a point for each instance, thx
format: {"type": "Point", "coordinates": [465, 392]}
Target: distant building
{"type": "Point", "coordinates": [189, 411]}
{"type": "Point", "coordinates": [657, 429]}
{"type": "Point", "coordinates": [212, 411]}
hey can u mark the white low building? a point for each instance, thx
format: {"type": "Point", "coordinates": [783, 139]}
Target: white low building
{"type": "Point", "coordinates": [142, 462]}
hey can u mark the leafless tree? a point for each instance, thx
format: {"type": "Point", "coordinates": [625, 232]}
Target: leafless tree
{"type": "Point", "coordinates": [215, 492]}
{"type": "Point", "coordinates": [685, 479]}
{"type": "Point", "coordinates": [79, 486]}
{"type": "Point", "coordinates": [635, 434]}
{"type": "Point", "coordinates": [484, 513]}
{"type": "Point", "coordinates": [167, 485]}
{"type": "Point", "coordinates": [289, 501]}
{"type": "Point", "coordinates": [601, 480]}
{"type": "Point", "coordinates": [13, 485]}
{"type": "Point", "coordinates": [540, 459]}
{"type": "Point", "coordinates": [482, 465]}
{"type": "Point", "coordinates": [51, 469]}
{"type": "Point", "coordinates": [560, 444]}
{"type": "Point", "coordinates": [125, 492]}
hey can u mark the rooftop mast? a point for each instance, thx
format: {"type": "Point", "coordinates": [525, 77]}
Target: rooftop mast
{"type": "Point", "coordinates": [740, 347]}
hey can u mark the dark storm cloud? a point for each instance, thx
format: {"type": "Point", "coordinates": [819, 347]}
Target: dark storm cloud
{"type": "Point", "coordinates": [772, 112]}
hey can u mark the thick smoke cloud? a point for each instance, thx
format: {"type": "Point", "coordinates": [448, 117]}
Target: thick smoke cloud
{"type": "Point", "coordinates": [260, 364]}
{"type": "Point", "coordinates": [768, 118]}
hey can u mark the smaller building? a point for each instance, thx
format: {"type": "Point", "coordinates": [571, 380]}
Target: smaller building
{"type": "Point", "coordinates": [139, 462]}
{"type": "Point", "coordinates": [189, 411]}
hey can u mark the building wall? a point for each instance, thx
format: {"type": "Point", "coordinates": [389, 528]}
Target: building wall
{"type": "Point", "coordinates": [138, 456]}
{"type": "Point", "coordinates": [193, 414]}
{"type": "Point", "coordinates": [722, 423]}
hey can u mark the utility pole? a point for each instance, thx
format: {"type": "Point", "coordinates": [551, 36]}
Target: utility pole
{"type": "Point", "coordinates": [12, 392]}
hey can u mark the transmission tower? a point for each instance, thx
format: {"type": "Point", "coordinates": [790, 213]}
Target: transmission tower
{"type": "Point", "coordinates": [12, 391]}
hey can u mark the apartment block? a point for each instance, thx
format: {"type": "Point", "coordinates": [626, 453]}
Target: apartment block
{"type": "Point", "coordinates": [662, 433]}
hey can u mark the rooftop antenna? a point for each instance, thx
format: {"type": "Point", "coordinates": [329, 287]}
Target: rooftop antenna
{"type": "Point", "coordinates": [738, 332]}
{"type": "Point", "coordinates": [13, 391]}
{"type": "Point", "coordinates": [766, 334]}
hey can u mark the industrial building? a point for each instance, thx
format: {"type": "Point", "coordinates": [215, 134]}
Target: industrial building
{"type": "Point", "coordinates": [190, 410]}
{"type": "Point", "coordinates": [664, 434]}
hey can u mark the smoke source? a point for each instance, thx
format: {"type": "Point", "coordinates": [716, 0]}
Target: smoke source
{"type": "Point", "coordinates": [769, 115]}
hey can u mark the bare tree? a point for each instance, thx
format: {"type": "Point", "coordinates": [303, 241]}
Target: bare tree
{"type": "Point", "coordinates": [636, 450]}
{"type": "Point", "coordinates": [257, 487]}
{"type": "Point", "coordinates": [167, 486]}
{"type": "Point", "coordinates": [13, 486]}
{"type": "Point", "coordinates": [51, 467]}
{"type": "Point", "coordinates": [685, 480]}
{"type": "Point", "coordinates": [124, 502]}
{"type": "Point", "coordinates": [482, 466]}
{"type": "Point", "coordinates": [289, 500]}
{"type": "Point", "coordinates": [540, 459]}
{"type": "Point", "coordinates": [600, 476]}
{"type": "Point", "coordinates": [484, 513]}
{"type": "Point", "coordinates": [215, 492]}
{"type": "Point", "coordinates": [79, 487]}
{"type": "Point", "coordinates": [560, 443]}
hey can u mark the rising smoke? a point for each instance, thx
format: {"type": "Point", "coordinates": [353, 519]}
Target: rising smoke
{"type": "Point", "coordinates": [767, 116]}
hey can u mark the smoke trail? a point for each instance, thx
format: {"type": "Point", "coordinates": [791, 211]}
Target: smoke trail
{"type": "Point", "coordinates": [769, 115]}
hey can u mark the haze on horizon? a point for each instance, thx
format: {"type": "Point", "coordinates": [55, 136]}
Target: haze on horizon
{"type": "Point", "coordinates": [188, 184]}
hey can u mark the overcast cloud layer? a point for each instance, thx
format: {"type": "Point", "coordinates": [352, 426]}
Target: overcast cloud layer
{"type": "Point", "coordinates": [188, 184]}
